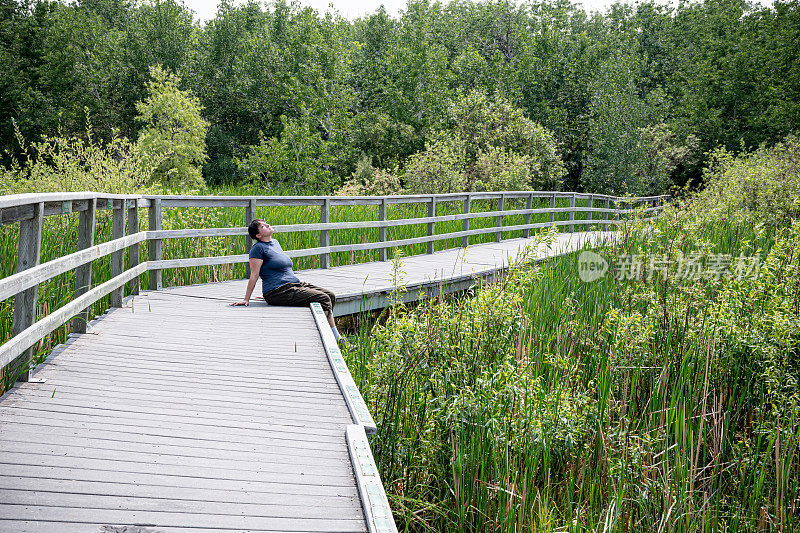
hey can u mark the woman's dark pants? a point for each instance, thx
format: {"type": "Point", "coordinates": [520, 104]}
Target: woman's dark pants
{"type": "Point", "coordinates": [301, 294]}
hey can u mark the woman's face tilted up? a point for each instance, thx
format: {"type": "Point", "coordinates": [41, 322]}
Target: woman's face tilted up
{"type": "Point", "coordinates": [265, 232]}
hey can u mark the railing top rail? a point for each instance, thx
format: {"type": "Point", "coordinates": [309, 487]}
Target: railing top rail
{"type": "Point", "coordinates": [391, 197]}
{"type": "Point", "coordinates": [17, 206]}
{"type": "Point", "coordinates": [17, 200]}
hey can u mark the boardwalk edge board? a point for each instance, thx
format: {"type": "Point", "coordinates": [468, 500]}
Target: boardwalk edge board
{"type": "Point", "coordinates": [355, 402]}
{"type": "Point", "coordinates": [373, 496]}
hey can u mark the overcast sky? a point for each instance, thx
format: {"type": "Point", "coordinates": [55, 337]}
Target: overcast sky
{"type": "Point", "coordinates": [207, 9]}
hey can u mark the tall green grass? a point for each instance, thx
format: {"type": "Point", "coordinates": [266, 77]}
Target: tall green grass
{"type": "Point", "coordinates": [543, 403]}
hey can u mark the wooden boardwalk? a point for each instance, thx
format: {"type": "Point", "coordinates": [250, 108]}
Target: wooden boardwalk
{"type": "Point", "coordinates": [177, 412]}
{"type": "Point", "coordinates": [367, 286]}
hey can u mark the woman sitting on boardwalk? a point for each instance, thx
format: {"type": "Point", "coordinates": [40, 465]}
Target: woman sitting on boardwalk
{"type": "Point", "coordinates": [278, 282]}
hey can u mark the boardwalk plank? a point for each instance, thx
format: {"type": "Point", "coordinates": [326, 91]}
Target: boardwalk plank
{"type": "Point", "coordinates": [112, 516]}
{"type": "Point", "coordinates": [188, 410]}
{"type": "Point", "coordinates": [209, 403]}
{"type": "Point", "coordinates": [280, 509]}
{"type": "Point", "coordinates": [175, 493]}
{"type": "Point", "coordinates": [196, 446]}
{"type": "Point", "coordinates": [329, 476]}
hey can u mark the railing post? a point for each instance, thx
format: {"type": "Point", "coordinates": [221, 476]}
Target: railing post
{"type": "Point", "coordinates": [325, 235]}
{"type": "Point", "coordinates": [605, 215]}
{"type": "Point", "coordinates": [133, 249]}
{"type": "Point", "coordinates": [83, 273]}
{"type": "Point", "coordinates": [528, 205]}
{"type": "Point", "coordinates": [29, 250]}
{"type": "Point", "coordinates": [382, 231]}
{"type": "Point", "coordinates": [117, 258]}
{"type": "Point", "coordinates": [249, 216]}
{"type": "Point", "coordinates": [572, 213]}
{"type": "Point", "coordinates": [467, 210]}
{"type": "Point", "coordinates": [154, 245]}
{"type": "Point", "coordinates": [552, 206]}
{"type": "Point", "coordinates": [498, 222]}
{"type": "Point", "coordinates": [590, 216]}
{"type": "Point", "coordinates": [432, 225]}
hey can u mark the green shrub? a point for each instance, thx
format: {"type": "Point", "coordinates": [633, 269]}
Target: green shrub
{"type": "Point", "coordinates": [77, 164]}
{"type": "Point", "coordinates": [438, 169]}
{"type": "Point", "coordinates": [370, 181]}
{"type": "Point", "coordinates": [758, 187]}
{"type": "Point", "coordinates": [299, 157]}
{"type": "Point", "coordinates": [173, 138]}
{"type": "Point", "coordinates": [485, 145]}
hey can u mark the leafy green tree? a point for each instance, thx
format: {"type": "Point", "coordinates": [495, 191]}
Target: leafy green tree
{"type": "Point", "coordinates": [174, 131]}
{"type": "Point", "coordinates": [618, 113]}
{"type": "Point", "coordinates": [386, 140]}
{"type": "Point", "coordinates": [662, 154]}
{"type": "Point", "coordinates": [298, 157]}
{"type": "Point", "coordinates": [439, 168]}
{"type": "Point", "coordinates": [485, 126]}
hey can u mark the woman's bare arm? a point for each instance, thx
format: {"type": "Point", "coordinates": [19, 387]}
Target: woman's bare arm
{"type": "Point", "coordinates": [255, 268]}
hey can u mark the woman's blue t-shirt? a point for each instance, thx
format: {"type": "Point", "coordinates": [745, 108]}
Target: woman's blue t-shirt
{"type": "Point", "coordinates": [277, 267]}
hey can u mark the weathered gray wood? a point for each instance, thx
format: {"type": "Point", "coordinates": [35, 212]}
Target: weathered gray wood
{"type": "Point", "coordinates": [286, 414]}
{"type": "Point", "coordinates": [370, 488]}
{"type": "Point", "coordinates": [29, 336]}
{"type": "Point", "coordinates": [589, 210]}
{"type": "Point", "coordinates": [572, 214]}
{"type": "Point", "coordinates": [528, 206]}
{"type": "Point", "coordinates": [431, 225]}
{"type": "Point", "coordinates": [250, 215]}
{"type": "Point", "coordinates": [382, 217]}
{"type": "Point", "coordinates": [147, 417]}
{"type": "Point", "coordinates": [83, 273]}
{"type": "Point", "coordinates": [288, 465]}
{"type": "Point", "coordinates": [289, 228]}
{"type": "Point", "coordinates": [199, 449]}
{"type": "Point", "coordinates": [552, 207]}
{"type": "Point", "coordinates": [355, 402]}
{"type": "Point", "coordinates": [467, 209]}
{"type": "Point", "coordinates": [200, 261]}
{"type": "Point", "coordinates": [41, 273]}
{"type": "Point", "coordinates": [155, 480]}
{"type": "Point", "coordinates": [498, 223]}
{"type": "Point", "coordinates": [189, 494]}
{"type": "Point", "coordinates": [29, 248]}
{"type": "Point", "coordinates": [325, 235]}
{"type": "Point", "coordinates": [118, 257]}
{"type": "Point", "coordinates": [193, 233]}
{"type": "Point", "coordinates": [20, 207]}
{"type": "Point", "coordinates": [15, 200]}
{"type": "Point", "coordinates": [154, 245]}
{"type": "Point", "coordinates": [59, 415]}
{"type": "Point", "coordinates": [62, 499]}
{"type": "Point", "coordinates": [178, 519]}
{"type": "Point", "coordinates": [133, 249]}
{"type": "Point", "coordinates": [17, 207]}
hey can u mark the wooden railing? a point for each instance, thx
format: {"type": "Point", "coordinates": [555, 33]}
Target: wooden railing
{"type": "Point", "coordinates": [31, 209]}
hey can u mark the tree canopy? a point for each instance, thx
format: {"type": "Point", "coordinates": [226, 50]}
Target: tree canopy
{"type": "Point", "coordinates": [309, 94]}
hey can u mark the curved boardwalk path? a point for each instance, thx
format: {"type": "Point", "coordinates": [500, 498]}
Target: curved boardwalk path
{"type": "Point", "coordinates": [177, 412]}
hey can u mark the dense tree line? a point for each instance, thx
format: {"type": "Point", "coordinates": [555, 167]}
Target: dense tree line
{"type": "Point", "coordinates": [633, 97]}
